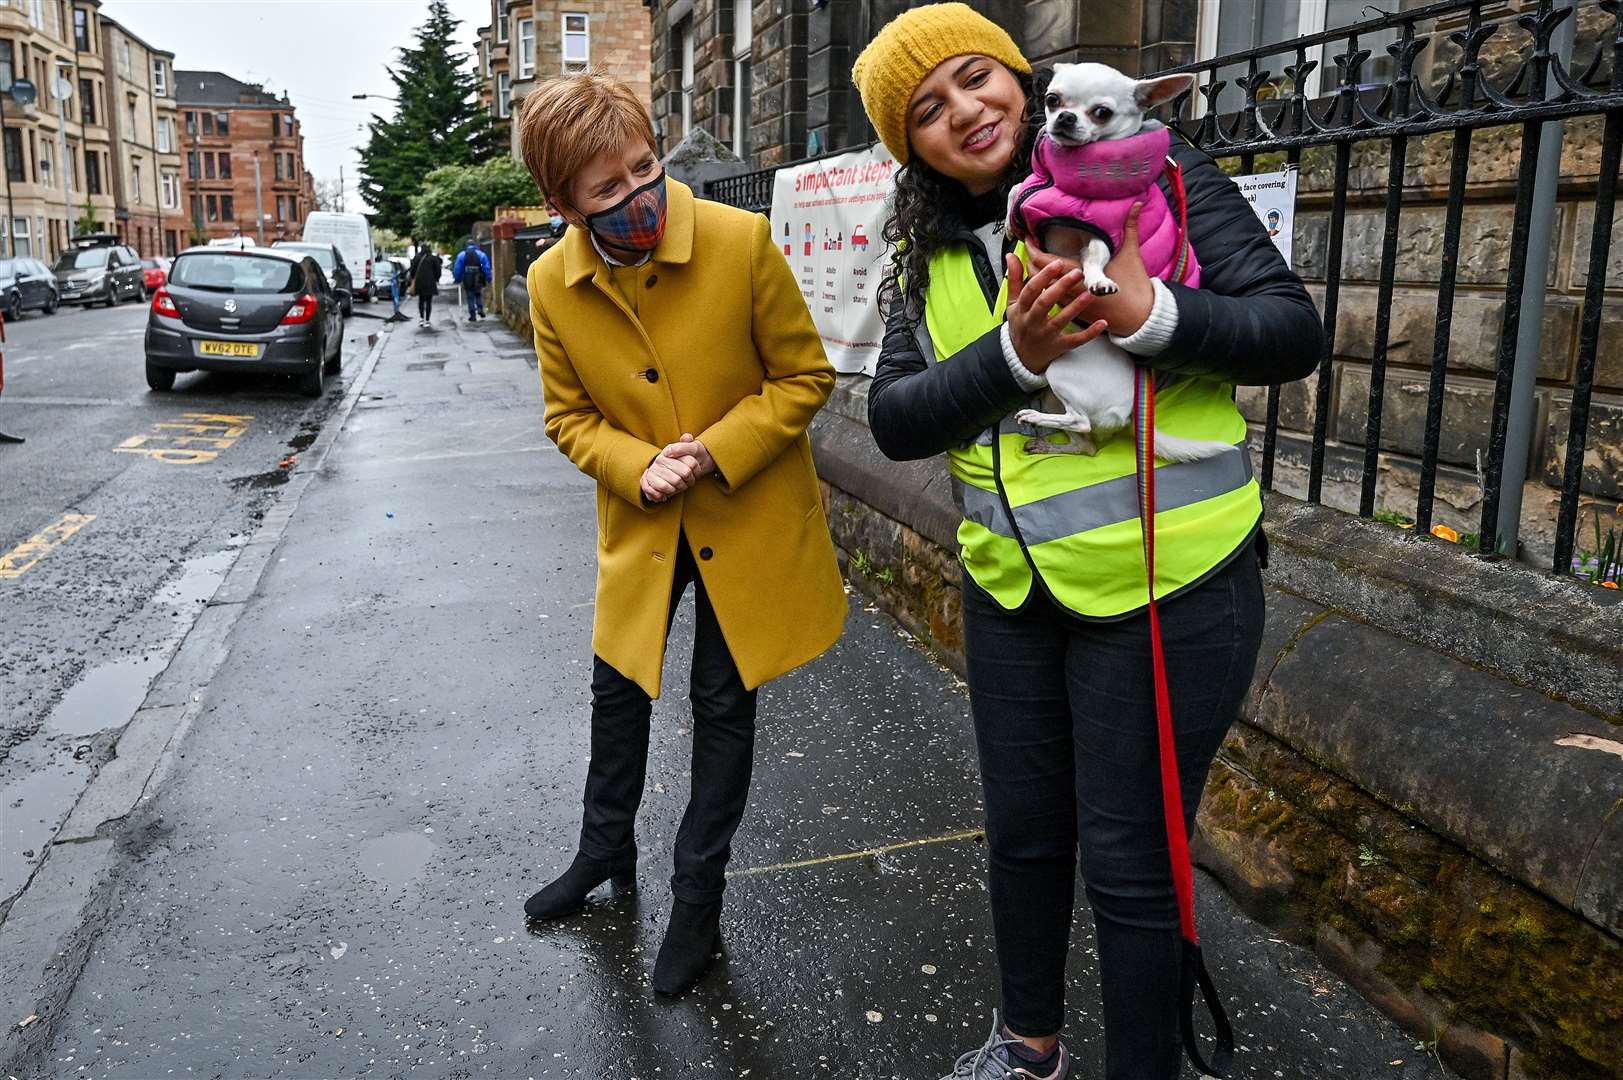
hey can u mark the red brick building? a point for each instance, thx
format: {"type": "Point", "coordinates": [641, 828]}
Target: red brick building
{"type": "Point", "coordinates": [227, 125]}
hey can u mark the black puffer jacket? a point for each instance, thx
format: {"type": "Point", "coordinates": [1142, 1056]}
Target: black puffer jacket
{"type": "Point", "coordinates": [1251, 322]}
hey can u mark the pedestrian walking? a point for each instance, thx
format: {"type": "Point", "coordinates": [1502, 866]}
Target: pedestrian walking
{"type": "Point", "coordinates": [425, 283]}
{"type": "Point", "coordinates": [1057, 608]}
{"type": "Point", "coordinates": [697, 440]}
{"type": "Point", "coordinates": [472, 270]}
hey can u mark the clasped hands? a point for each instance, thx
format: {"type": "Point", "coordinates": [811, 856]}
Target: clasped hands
{"type": "Point", "coordinates": [678, 467]}
{"type": "Point", "coordinates": [1040, 338]}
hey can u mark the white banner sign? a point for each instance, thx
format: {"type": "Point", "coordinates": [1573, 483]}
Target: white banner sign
{"type": "Point", "coordinates": [826, 217]}
{"type": "Point", "coordinates": [1273, 196]}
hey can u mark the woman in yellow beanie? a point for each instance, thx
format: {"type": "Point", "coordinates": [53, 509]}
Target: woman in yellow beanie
{"type": "Point", "coordinates": [1055, 596]}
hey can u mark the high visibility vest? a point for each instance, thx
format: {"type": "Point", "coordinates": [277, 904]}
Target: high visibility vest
{"type": "Point", "coordinates": [1069, 523]}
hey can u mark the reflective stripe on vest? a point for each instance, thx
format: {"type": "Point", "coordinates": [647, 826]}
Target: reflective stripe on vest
{"type": "Point", "coordinates": [1075, 516]}
{"type": "Point", "coordinates": [1107, 502]}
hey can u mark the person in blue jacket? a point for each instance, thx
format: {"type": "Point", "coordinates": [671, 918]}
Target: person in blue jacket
{"type": "Point", "coordinates": [472, 271]}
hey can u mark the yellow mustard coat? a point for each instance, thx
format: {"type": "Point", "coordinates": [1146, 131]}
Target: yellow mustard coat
{"type": "Point", "coordinates": [718, 344]}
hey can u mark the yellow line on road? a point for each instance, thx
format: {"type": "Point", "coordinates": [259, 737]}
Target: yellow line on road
{"type": "Point", "coordinates": [884, 849]}
{"type": "Point", "coordinates": [20, 559]}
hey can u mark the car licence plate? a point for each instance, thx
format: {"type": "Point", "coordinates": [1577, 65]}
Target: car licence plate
{"type": "Point", "coordinates": [227, 348]}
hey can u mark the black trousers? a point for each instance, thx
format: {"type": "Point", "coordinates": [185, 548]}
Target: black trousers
{"type": "Point", "coordinates": [425, 305]}
{"type": "Point", "coordinates": [1065, 724]}
{"type": "Point", "coordinates": [723, 755]}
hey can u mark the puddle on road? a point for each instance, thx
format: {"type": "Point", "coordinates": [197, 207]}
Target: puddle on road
{"type": "Point", "coordinates": [199, 578]}
{"type": "Point", "coordinates": [395, 858]}
{"type": "Point", "coordinates": [106, 696]}
{"type": "Point", "coordinates": [32, 807]}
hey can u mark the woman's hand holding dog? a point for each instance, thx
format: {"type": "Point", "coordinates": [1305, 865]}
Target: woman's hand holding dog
{"type": "Point", "coordinates": [678, 467]}
{"type": "Point", "coordinates": [1124, 311]}
{"type": "Point", "coordinates": [1038, 337]}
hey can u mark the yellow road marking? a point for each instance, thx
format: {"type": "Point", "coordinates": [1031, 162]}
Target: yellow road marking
{"type": "Point", "coordinates": [20, 559]}
{"type": "Point", "coordinates": [884, 849]}
{"type": "Point", "coordinates": [216, 430]}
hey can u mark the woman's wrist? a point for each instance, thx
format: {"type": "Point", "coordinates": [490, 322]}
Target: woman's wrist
{"type": "Point", "coordinates": [1155, 333]}
{"type": "Point", "coordinates": [1029, 381]}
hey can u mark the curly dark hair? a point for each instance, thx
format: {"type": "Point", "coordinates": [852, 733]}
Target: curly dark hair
{"type": "Point", "coordinates": [927, 207]}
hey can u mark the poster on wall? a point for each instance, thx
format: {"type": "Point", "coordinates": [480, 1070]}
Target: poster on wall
{"type": "Point", "coordinates": [826, 217]}
{"type": "Point", "coordinates": [1273, 196]}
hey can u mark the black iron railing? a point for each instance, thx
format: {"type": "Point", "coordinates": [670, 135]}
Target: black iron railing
{"type": "Point", "coordinates": [1454, 68]}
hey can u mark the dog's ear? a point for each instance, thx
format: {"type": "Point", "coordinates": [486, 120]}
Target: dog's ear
{"type": "Point", "coordinates": [1152, 92]}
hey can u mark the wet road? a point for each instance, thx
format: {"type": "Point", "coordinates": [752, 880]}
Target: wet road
{"type": "Point", "coordinates": [137, 500]}
{"type": "Point", "coordinates": [390, 759]}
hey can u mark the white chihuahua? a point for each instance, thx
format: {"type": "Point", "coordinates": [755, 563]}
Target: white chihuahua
{"type": "Point", "coordinates": [1088, 104]}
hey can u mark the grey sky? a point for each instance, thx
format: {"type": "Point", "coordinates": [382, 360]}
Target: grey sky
{"type": "Point", "coordinates": [319, 51]}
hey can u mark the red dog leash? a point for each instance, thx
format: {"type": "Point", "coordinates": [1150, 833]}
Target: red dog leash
{"type": "Point", "coordinates": [1183, 873]}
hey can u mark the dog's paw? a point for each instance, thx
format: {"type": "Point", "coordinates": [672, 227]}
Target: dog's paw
{"type": "Point", "coordinates": [1027, 416]}
{"type": "Point", "coordinates": [1104, 287]}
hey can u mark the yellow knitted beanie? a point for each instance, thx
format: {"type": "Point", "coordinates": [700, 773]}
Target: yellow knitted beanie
{"type": "Point", "coordinates": [909, 47]}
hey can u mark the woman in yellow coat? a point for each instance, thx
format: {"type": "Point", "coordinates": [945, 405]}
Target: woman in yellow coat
{"type": "Point", "coordinates": [680, 369]}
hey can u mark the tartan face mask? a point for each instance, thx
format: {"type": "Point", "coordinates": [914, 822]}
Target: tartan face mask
{"type": "Point", "coordinates": [635, 224]}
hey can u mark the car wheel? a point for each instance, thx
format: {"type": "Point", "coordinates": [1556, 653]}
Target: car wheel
{"type": "Point", "coordinates": [14, 307]}
{"type": "Point", "coordinates": [348, 309]}
{"type": "Point", "coordinates": [310, 382]}
{"type": "Point", "coordinates": [335, 362]}
{"type": "Point", "coordinates": [51, 305]}
{"type": "Point", "coordinates": [112, 295]}
{"type": "Point", "coordinates": [160, 378]}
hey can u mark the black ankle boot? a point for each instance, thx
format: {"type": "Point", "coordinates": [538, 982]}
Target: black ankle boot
{"type": "Point", "coordinates": [567, 894]}
{"type": "Point", "coordinates": [691, 940]}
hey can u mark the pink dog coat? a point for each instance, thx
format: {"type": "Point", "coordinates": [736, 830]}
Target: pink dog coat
{"type": "Point", "coordinates": [1092, 187]}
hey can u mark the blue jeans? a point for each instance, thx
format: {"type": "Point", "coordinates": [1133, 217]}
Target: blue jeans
{"type": "Point", "coordinates": [1065, 725]}
{"type": "Point", "coordinates": [475, 298]}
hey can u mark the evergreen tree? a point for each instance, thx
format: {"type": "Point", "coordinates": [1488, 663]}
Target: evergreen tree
{"type": "Point", "coordinates": [437, 122]}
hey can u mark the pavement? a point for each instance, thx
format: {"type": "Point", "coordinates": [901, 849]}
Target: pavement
{"type": "Point", "coordinates": [383, 757]}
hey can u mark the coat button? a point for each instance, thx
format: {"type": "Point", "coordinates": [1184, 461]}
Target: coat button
{"type": "Point", "coordinates": [705, 553]}
{"type": "Point", "coordinates": [651, 375]}
{"type": "Point", "coordinates": [653, 279]}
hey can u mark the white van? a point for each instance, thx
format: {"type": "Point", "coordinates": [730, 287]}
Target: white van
{"type": "Point", "coordinates": [351, 234]}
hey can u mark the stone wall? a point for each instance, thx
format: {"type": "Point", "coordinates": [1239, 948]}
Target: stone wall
{"type": "Point", "coordinates": [1422, 786]}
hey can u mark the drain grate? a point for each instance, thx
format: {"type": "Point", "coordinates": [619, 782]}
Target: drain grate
{"type": "Point", "coordinates": [427, 365]}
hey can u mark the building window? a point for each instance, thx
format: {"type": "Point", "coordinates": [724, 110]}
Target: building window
{"type": "Point", "coordinates": [191, 123]}
{"type": "Point", "coordinates": [224, 124]}
{"type": "Point", "coordinates": [22, 244]}
{"type": "Point", "coordinates": [129, 107]}
{"type": "Point", "coordinates": [287, 125]}
{"type": "Point", "coordinates": [501, 20]}
{"type": "Point", "coordinates": [226, 211]}
{"type": "Point", "coordinates": [208, 166]}
{"type": "Point", "coordinates": [93, 172]}
{"type": "Point", "coordinates": [81, 29]}
{"type": "Point", "coordinates": [684, 36]}
{"type": "Point", "coordinates": [208, 123]}
{"type": "Point", "coordinates": [15, 170]}
{"type": "Point", "coordinates": [166, 134]}
{"type": "Point", "coordinates": [526, 48]}
{"type": "Point", "coordinates": [577, 41]}
{"type": "Point", "coordinates": [743, 39]}
{"type": "Point", "coordinates": [47, 163]}
{"type": "Point", "coordinates": [135, 178]}
{"type": "Point", "coordinates": [160, 78]}
{"type": "Point", "coordinates": [1240, 25]}
{"type": "Point", "coordinates": [191, 164]}
{"type": "Point", "coordinates": [8, 64]}
{"type": "Point", "coordinates": [278, 166]}
{"type": "Point", "coordinates": [214, 208]}
{"type": "Point", "coordinates": [36, 14]}
{"type": "Point", "coordinates": [281, 208]}
{"type": "Point", "coordinates": [124, 57]}
{"type": "Point", "coordinates": [504, 94]}
{"type": "Point", "coordinates": [225, 166]}
{"type": "Point", "coordinates": [169, 184]}
{"type": "Point", "coordinates": [87, 101]}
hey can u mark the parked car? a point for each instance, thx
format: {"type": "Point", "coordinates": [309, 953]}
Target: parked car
{"type": "Point", "coordinates": [236, 243]}
{"type": "Point", "coordinates": [384, 271]}
{"type": "Point", "coordinates": [28, 285]}
{"type": "Point", "coordinates": [154, 272]}
{"type": "Point", "coordinates": [331, 261]}
{"type": "Point", "coordinates": [99, 273]}
{"type": "Point", "coordinates": [262, 310]}
{"type": "Point", "coordinates": [351, 234]}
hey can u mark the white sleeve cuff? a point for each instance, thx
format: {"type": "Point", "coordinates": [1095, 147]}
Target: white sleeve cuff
{"type": "Point", "coordinates": [1155, 335]}
{"type": "Point", "coordinates": [1029, 381]}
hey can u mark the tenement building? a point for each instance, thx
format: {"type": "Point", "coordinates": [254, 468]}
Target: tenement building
{"type": "Point", "coordinates": [140, 115]}
{"type": "Point", "coordinates": [227, 128]}
{"type": "Point", "coordinates": [531, 41]}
